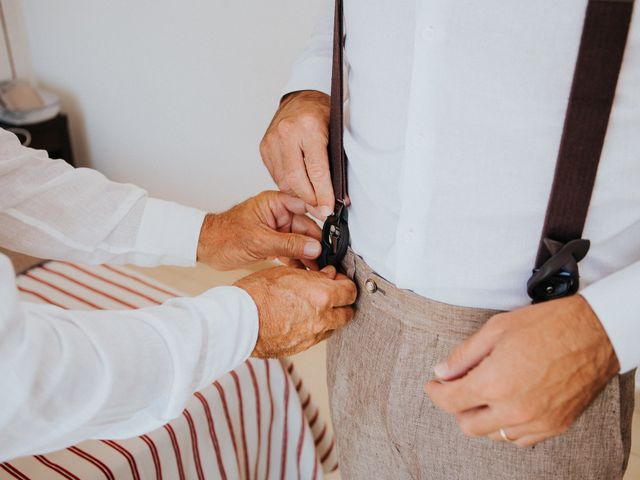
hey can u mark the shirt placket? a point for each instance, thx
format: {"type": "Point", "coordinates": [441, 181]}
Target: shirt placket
{"type": "Point", "coordinates": [420, 140]}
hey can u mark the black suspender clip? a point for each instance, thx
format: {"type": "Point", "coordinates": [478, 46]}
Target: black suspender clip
{"type": "Point", "coordinates": [335, 237]}
{"type": "Point", "coordinates": [558, 277]}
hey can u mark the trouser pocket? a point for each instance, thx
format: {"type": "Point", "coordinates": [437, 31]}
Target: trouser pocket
{"type": "Point", "coordinates": [594, 448]}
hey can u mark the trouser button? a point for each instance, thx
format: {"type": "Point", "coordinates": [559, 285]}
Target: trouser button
{"type": "Point", "coordinates": [370, 285]}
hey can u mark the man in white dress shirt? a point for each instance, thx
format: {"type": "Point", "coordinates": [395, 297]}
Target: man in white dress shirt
{"type": "Point", "coordinates": [72, 375]}
{"type": "Point", "coordinates": [454, 114]}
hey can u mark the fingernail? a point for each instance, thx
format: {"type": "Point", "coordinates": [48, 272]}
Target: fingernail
{"type": "Point", "coordinates": [441, 370]}
{"type": "Point", "coordinates": [312, 249]}
{"type": "Point", "coordinates": [325, 211]}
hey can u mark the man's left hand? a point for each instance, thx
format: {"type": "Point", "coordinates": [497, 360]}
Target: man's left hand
{"type": "Point", "coordinates": [267, 226]}
{"type": "Point", "coordinates": [530, 372]}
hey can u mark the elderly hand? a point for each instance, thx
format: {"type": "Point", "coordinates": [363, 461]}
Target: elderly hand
{"type": "Point", "coordinates": [294, 150]}
{"type": "Point", "coordinates": [530, 372]}
{"type": "Point", "coordinates": [298, 308]}
{"type": "Point", "coordinates": [269, 225]}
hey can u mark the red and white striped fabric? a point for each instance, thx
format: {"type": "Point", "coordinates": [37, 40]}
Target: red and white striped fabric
{"type": "Point", "coordinates": [257, 422]}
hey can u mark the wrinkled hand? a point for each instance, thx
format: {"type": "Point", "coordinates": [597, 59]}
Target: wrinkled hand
{"type": "Point", "coordinates": [269, 225]}
{"type": "Point", "coordinates": [298, 308]}
{"type": "Point", "coordinates": [294, 150]}
{"type": "Point", "coordinates": [531, 372]}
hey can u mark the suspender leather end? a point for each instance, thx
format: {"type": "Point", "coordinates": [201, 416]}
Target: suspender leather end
{"type": "Point", "coordinates": [559, 276]}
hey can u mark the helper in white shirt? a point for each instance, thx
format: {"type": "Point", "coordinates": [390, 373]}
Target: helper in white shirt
{"type": "Point", "coordinates": [454, 114]}
{"type": "Point", "coordinates": [72, 375]}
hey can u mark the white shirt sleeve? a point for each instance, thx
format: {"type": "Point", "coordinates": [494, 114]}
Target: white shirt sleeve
{"type": "Point", "coordinates": [50, 210]}
{"type": "Point", "coordinates": [312, 69]}
{"type": "Point", "coordinates": [616, 302]}
{"type": "Point", "coordinates": [72, 375]}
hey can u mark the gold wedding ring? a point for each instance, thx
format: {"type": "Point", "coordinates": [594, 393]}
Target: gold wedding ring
{"type": "Point", "coordinates": [504, 436]}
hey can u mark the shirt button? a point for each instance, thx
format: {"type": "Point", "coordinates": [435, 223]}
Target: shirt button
{"type": "Point", "coordinates": [410, 236]}
{"type": "Point", "coordinates": [370, 285]}
{"type": "Point", "coordinates": [428, 33]}
{"type": "Point", "coordinates": [421, 140]}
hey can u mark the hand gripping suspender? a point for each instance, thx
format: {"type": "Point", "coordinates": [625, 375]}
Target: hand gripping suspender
{"type": "Point", "coordinates": [335, 233]}
{"type": "Point", "coordinates": [602, 46]}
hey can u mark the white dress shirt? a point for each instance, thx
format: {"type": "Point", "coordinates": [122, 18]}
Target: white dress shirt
{"type": "Point", "coordinates": [453, 122]}
{"type": "Point", "coordinates": [72, 375]}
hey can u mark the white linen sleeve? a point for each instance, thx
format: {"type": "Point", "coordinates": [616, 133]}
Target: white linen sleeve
{"type": "Point", "coordinates": [50, 210]}
{"type": "Point", "coordinates": [312, 69]}
{"type": "Point", "coordinates": [616, 302]}
{"type": "Point", "coordinates": [72, 375]}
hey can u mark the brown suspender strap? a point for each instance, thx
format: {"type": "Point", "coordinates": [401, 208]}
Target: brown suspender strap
{"type": "Point", "coordinates": [595, 78]}
{"type": "Point", "coordinates": [338, 164]}
{"type": "Point", "coordinates": [594, 85]}
{"type": "Point", "coordinates": [335, 232]}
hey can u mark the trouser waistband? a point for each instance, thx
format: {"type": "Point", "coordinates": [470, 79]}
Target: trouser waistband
{"type": "Point", "coordinates": [416, 310]}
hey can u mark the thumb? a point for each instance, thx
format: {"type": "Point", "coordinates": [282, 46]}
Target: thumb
{"type": "Point", "coordinates": [465, 356]}
{"type": "Point", "coordinates": [292, 245]}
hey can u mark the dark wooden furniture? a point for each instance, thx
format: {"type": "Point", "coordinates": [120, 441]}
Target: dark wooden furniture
{"type": "Point", "coordinates": [51, 135]}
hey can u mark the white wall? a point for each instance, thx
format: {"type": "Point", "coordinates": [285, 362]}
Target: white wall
{"type": "Point", "coordinates": [173, 96]}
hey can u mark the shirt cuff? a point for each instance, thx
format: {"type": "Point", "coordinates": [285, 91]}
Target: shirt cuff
{"type": "Point", "coordinates": [616, 302]}
{"type": "Point", "coordinates": [169, 232]}
{"type": "Point", "coordinates": [231, 341]}
{"type": "Point", "coordinates": [310, 73]}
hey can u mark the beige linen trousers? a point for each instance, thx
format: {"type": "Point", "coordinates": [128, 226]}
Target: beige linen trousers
{"type": "Point", "coordinates": [387, 427]}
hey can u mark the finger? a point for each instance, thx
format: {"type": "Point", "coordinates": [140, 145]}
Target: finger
{"type": "Point", "coordinates": [266, 154]}
{"type": "Point", "coordinates": [466, 355]}
{"type": "Point", "coordinates": [295, 263]}
{"type": "Point", "coordinates": [479, 422]}
{"type": "Point", "coordinates": [295, 171]}
{"type": "Point", "coordinates": [316, 213]}
{"type": "Point", "coordinates": [272, 158]}
{"type": "Point", "coordinates": [324, 335]}
{"type": "Point", "coordinates": [524, 441]}
{"type": "Point", "coordinates": [305, 345]}
{"type": "Point", "coordinates": [292, 204]}
{"type": "Point", "coordinates": [292, 262]}
{"type": "Point", "coordinates": [454, 397]}
{"type": "Point", "coordinates": [305, 226]}
{"type": "Point", "coordinates": [338, 318]}
{"type": "Point", "coordinates": [311, 265]}
{"type": "Point", "coordinates": [329, 272]}
{"type": "Point", "coordinates": [530, 440]}
{"type": "Point", "coordinates": [317, 163]}
{"type": "Point", "coordinates": [282, 208]}
{"type": "Point", "coordinates": [290, 245]}
{"type": "Point", "coordinates": [284, 187]}
{"type": "Point", "coordinates": [524, 430]}
{"type": "Point", "coordinates": [496, 436]}
{"type": "Point", "coordinates": [342, 291]}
